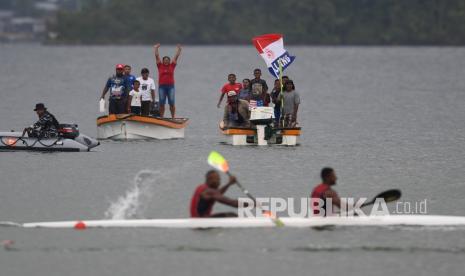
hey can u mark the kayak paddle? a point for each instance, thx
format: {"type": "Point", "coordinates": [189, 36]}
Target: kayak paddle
{"type": "Point", "coordinates": [388, 196]}
{"type": "Point", "coordinates": [217, 161]}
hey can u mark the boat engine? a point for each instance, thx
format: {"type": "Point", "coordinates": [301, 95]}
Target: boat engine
{"type": "Point", "coordinates": [69, 131]}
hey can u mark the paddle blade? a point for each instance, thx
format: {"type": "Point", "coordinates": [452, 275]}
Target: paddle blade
{"type": "Point", "coordinates": [217, 161]}
{"type": "Point", "coordinates": [390, 195]}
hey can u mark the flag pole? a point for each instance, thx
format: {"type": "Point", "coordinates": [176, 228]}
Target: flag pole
{"type": "Point", "coordinates": [281, 94]}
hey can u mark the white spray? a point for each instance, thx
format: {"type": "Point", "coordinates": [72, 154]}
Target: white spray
{"type": "Point", "coordinates": [133, 204]}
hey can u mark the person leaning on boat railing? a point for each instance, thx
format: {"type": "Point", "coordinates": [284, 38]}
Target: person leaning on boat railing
{"type": "Point", "coordinates": [236, 111]}
{"type": "Point", "coordinates": [119, 87]}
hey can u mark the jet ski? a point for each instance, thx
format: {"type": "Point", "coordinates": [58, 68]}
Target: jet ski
{"type": "Point", "coordinates": [69, 139]}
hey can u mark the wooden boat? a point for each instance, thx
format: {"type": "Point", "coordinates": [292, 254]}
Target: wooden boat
{"type": "Point", "coordinates": [129, 127]}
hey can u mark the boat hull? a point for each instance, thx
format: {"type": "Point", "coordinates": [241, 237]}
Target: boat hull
{"type": "Point", "coordinates": [132, 127]}
{"type": "Point", "coordinates": [380, 221]}
{"type": "Point", "coordinates": [14, 141]}
{"type": "Point", "coordinates": [238, 136]}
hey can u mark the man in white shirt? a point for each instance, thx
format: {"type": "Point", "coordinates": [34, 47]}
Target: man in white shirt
{"type": "Point", "coordinates": [147, 89]}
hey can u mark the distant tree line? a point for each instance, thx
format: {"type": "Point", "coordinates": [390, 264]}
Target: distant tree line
{"type": "Point", "coordinates": [318, 22]}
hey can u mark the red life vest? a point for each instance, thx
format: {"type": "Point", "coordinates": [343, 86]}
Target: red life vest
{"type": "Point", "coordinates": [199, 206]}
{"type": "Point", "coordinates": [318, 192]}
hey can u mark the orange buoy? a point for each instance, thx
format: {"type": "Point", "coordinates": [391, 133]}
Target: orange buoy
{"type": "Point", "coordinates": [80, 225]}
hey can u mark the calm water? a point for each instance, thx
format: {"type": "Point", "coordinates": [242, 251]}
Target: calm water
{"type": "Point", "coordinates": [382, 117]}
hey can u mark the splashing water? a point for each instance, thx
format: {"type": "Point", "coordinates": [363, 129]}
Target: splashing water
{"type": "Point", "coordinates": [133, 203]}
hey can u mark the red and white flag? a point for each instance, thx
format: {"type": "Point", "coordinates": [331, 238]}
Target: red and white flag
{"type": "Point", "coordinates": [271, 48]}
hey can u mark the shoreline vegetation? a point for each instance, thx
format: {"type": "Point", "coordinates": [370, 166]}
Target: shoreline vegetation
{"type": "Point", "coordinates": [235, 22]}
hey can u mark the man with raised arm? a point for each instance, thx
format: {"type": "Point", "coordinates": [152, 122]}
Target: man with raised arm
{"type": "Point", "coordinates": [166, 79]}
{"type": "Point", "coordinates": [206, 195]}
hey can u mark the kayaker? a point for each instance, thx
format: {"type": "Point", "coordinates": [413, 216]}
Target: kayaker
{"type": "Point", "coordinates": [324, 191]}
{"type": "Point", "coordinates": [291, 100]}
{"type": "Point", "coordinates": [166, 79]}
{"type": "Point", "coordinates": [47, 125]}
{"type": "Point", "coordinates": [119, 89]}
{"type": "Point", "coordinates": [236, 112]}
{"type": "Point", "coordinates": [207, 194]}
{"type": "Point", "coordinates": [231, 85]}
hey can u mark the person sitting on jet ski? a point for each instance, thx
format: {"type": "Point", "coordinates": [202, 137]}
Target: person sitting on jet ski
{"type": "Point", "coordinates": [47, 125]}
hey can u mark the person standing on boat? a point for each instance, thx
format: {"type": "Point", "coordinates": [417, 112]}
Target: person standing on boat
{"type": "Point", "coordinates": [134, 101]}
{"type": "Point", "coordinates": [236, 112]}
{"type": "Point", "coordinates": [166, 79]}
{"type": "Point", "coordinates": [231, 85]}
{"type": "Point", "coordinates": [147, 88]}
{"type": "Point", "coordinates": [244, 94]}
{"type": "Point", "coordinates": [275, 99]}
{"type": "Point", "coordinates": [291, 100]}
{"type": "Point", "coordinates": [258, 96]}
{"type": "Point", "coordinates": [127, 74]}
{"type": "Point", "coordinates": [119, 88]}
{"type": "Point", "coordinates": [206, 195]}
{"type": "Point", "coordinates": [325, 191]}
{"type": "Point", "coordinates": [47, 125]}
{"type": "Point", "coordinates": [257, 79]}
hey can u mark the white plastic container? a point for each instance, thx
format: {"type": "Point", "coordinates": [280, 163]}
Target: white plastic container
{"type": "Point", "coordinates": [261, 113]}
{"type": "Point", "coordinates": [102, 105]}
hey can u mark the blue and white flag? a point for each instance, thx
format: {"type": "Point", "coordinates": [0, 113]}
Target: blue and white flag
{"type": "Point", "coordinates": [271, 48]}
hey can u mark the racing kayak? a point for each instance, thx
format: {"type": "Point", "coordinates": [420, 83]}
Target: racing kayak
{"type": "Point", "coordinates": [389, 220]}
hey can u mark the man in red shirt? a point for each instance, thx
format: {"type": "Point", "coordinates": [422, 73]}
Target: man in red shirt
{"type": "Point", "coordinates": [230, 86]}
{"type": "Point", "coordinates": [166, 79]}
{"type": "Point", "coordinates": [324, 191]}
{"type": "Point", "coordinates": [207, 194]}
